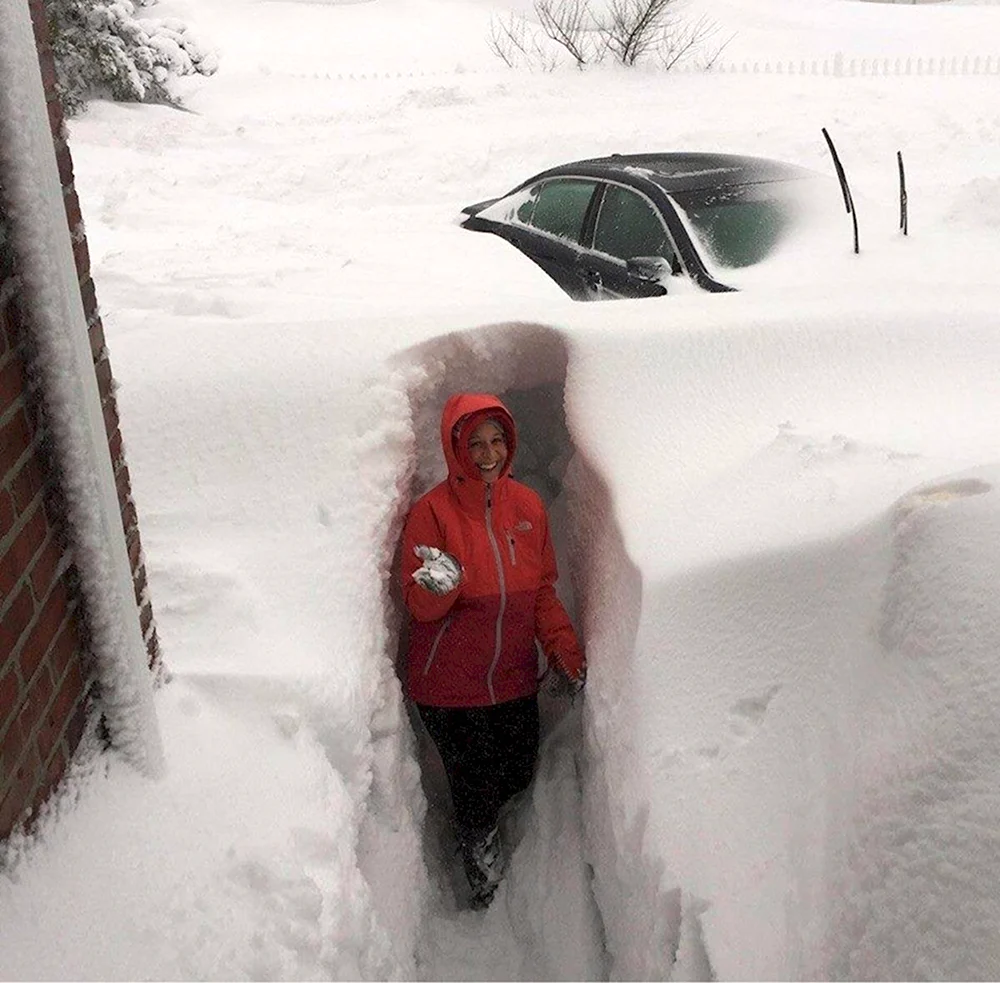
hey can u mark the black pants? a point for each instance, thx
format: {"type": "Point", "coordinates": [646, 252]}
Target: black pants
{"type": "Point", "coordinates": [488, 754]}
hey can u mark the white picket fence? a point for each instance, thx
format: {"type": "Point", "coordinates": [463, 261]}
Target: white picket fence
{"type": "Point", "coordinates": [841, 66]}
{"type": "Point", "coordinates": [838, 66]}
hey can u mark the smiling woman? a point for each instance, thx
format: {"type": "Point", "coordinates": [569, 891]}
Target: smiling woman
{"type": "Point", "coordinates": [478, 575]}
{"type": "Point", "coordinates": [488, 449]}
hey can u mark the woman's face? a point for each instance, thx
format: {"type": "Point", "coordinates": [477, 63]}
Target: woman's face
{"type": "Point", "coordinates": [488, 450]}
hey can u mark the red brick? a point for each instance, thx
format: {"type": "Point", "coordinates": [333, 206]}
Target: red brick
{"type": "Point", "coordinates": [29, 765]}
{"type": "Point", "coordinates": [46, 567]}
{"type": "Point", "coordinates": [32, 711]}
{"type": "Point", "coordinates": [48, 67]}
{"type": "Point", "coordinates": [27, 484]}
{"type": "Point", "coordinates": [39, 23]}
{"type": "Point", "coordinates": [123, 484]}
{"type": "Point", "coordinates": [153, 649]}
{"type": "Point", "coordinates": [77, 725]}
{"type": "Point", "coordinates": [134, 549]}
{"type": "Point", "coordinates": [56, 768]}
{"type": "Point", "coordinates": [16, 805]}
{"type": "Point", "coordinates": [10, 574]}
{"type": "Point", "coordinates": [71, 690]}
{"type": "Point", "coordinates": [14, 623]}
{"type": "Point", "coordinates": [47, 627]}
{"type": "Point", "coordinates": [73, 218]}
{"type": "Point", "coordinates": [7, 513]}
{"type": "Point", "coordinates": [146, 618]}
{"type": "Point", "coordinates": [11, 749]}
{"type": "Point", "coordinates": [105, 379]}
{"type": "Point", "coordinates": [130, 518]}
{"type": "Point", "coordinates": [61, 713]}
{"type": "Point", "coordinates": [110, 417]}
{"type": "Point", "coordinates": [81, 254]}
{"type": "Point", "coordinates": [87, 290]}
{"type": "Point", "coordinates": [65, 163]}
{"type": "Point", "coordinates": [15, 439]}
{"type": "Point", "coordinates": [139, 581]}
{"type": "Point", "coordinates": [116, 448]}
{"type": "Point", "coordinates": [65, 650]}
{"type": "Point", "coordinates": [56, 119]}
{"type": "Point", "coordinates": [22, 551]}
{"type": "Point", "coordinates": [10, 691]}
{"type": "Point", "coordinates": [96, 332]}
{"type": "Point", "coordinates": [49, 735]}
{"type": "Point", "coordinates": [12, 384]}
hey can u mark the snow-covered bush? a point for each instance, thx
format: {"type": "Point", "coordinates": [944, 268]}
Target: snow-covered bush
{"type": "Point", "coordinates": [102, 48]}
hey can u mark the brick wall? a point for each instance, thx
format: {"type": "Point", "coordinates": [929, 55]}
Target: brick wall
{"type": "Point", "coordinates": [45, 678]}
{"type": "Point", "coordinates": [46, 672]}
{"type": "Point", "coordinates": [98, 346]}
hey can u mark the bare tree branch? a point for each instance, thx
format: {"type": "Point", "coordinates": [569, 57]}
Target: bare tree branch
{"type": "Point", "coordinates": [566, 23]}
{"type": "Point", "coordinates": [543, 55]}
{"type": "Point", "coordinates": [710, 60]}
{"type": "Point", "coordinates": [678, 44]}
{"type": "Point", "coordinates": [507, 37]}
{"type": "Point", "coordinates": [633, 27]}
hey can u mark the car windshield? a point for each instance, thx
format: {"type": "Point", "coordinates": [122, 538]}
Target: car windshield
{"type": "Point", "coordinates": [741, 225]}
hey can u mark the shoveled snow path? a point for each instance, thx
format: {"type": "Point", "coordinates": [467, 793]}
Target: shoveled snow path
{"type": "Point", "coordinates": [543, 923]}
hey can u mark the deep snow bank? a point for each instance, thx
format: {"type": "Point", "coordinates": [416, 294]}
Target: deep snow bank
{"type": "Point", "coordinates": [283, 842]}
{"type": "Point", "coordinates": [761, 755]}
{"type": "Point", "coordinates": [916, 890]}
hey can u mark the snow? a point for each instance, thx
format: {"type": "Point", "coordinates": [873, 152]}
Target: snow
{"type": "Point", "coordinates": [775, 512]}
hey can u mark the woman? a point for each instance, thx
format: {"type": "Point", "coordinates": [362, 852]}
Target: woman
{"type": "Point", "coordinates": [479, 577]}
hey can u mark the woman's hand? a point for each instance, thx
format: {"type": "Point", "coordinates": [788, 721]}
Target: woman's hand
{"type": "Point", "coordinates": [441, 573]}
{"type": "Point", "coordinates": [559, 683]}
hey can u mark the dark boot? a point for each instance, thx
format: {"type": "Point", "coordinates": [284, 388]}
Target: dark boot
{"type": "Point", "coordinates": [482, 857]}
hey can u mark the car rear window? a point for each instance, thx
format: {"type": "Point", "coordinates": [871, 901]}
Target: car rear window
{"type": "Point", "coordinates": [740, 225]}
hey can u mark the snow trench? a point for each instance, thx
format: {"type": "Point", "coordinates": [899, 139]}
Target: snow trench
{"type": "Point", "coordinates": [546, 921]}
{"type": "Point", "coordinates": [583, 899]}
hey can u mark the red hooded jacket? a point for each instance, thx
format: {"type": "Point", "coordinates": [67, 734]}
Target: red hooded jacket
{"type": "Point", "coordinates": [475, 646]}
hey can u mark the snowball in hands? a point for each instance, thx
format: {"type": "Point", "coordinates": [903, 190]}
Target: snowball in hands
{"type": "Point", "coordinates": [440, 573]}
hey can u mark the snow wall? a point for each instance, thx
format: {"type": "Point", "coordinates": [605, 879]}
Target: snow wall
{"type": "Point", "coordinates": [791, 737]}
{"type": "Point", "coordinates": [788, 759]}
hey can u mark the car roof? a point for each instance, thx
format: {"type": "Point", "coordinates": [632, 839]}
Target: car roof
{"type": "Point", "coordinates": [685, 171]}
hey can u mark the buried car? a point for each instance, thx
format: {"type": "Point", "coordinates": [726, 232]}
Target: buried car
{"type": "Point", "coordinates": [624, 225]}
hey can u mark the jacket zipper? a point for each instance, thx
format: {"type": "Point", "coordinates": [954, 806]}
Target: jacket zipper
{"type": "Point", "coordinates": [437, 642]}
{"type": "Point", "coordinates": [510, 547]}
{"type": "Point", "coordinates": [503, 591]}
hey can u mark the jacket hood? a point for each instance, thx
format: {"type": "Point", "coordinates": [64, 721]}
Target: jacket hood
{"type": "Point", "coordinates": [462, 413]}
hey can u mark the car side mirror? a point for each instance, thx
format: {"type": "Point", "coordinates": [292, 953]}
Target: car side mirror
{"type": "Point", "coordinates": [649, 269]}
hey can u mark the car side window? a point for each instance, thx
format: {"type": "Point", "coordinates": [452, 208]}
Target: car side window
{"type": "Point", "coordinates": [561, 206]}
{"type": "Point", "coordinates": [525, 209]}
{"type": "Point", "coordinates": [627, 226]}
